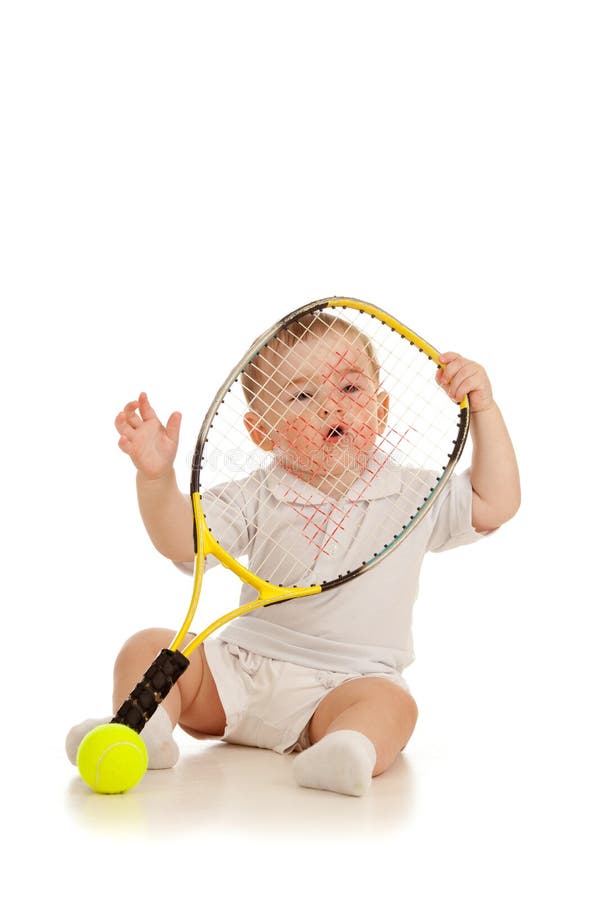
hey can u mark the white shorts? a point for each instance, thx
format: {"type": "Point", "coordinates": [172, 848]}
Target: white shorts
{"type": "Point", "coordinates": [268, 702]}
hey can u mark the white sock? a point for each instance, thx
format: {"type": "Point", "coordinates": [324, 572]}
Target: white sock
{"type": "Point", "coordinates": [157, 735]}
{"type": "Point", "coordinates": [342, 761]}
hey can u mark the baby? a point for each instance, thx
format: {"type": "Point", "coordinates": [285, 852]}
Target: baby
{"type": "Point", "coordinates": [314, 675]}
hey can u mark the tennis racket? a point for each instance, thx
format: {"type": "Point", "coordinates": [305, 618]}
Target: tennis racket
{"type": "Point", "coordinates": [335, 399]}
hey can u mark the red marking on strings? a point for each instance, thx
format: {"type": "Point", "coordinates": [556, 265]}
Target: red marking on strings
{"type": "Point", "coordinates": [400, 436]}
{"type": "Point", "coordinates": [367, 482]}
{"type": "Point", "coordinates": [308, 432]}
{"type": "Point", "coordinates": [335, 368]}
{"type": "Point", "coordinates": [374, 470]}
{"type": "Point", "coordinates": [312, 529]}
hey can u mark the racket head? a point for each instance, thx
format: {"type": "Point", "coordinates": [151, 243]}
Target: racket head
{"type": "Point", "coordinates": [334, 406]}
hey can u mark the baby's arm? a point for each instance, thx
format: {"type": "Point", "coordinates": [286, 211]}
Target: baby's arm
{"type": "Point", "coordinates": [166, 512]}
{"type": "Point", "coordinates": [494, 470]}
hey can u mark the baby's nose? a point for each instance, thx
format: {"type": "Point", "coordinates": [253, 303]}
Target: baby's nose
{"type": "Point", "coordinates": [330, 403]}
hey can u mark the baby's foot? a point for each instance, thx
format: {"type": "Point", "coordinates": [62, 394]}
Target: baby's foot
{"type": "Point", "coordinates": [157, 735]}
{"type": "Point", "coordinates": [342, 761]}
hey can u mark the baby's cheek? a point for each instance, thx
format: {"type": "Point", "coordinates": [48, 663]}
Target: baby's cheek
{"type": "Point", "coordinates": [301, 434]}
{"type": "Point", "coordinates": [289, 435]}
{"type": "Point", "coordinates": [280, 438]}
{"type": "Point", "coordinates": [367, 426]}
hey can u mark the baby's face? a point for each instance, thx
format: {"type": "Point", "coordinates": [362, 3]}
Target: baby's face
{"type": "Point", "coordinates": [320, 412]}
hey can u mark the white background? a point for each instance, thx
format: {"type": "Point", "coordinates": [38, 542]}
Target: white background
{"type": "Point", "coordinates": [174, 177]}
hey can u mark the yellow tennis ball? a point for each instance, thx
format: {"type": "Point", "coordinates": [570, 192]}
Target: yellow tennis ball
{"type": "Point", "coordinates": [112, 758]}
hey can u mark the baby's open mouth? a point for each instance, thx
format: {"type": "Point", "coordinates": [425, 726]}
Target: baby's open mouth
{"type": "Point", "coordinates": [335, 433]}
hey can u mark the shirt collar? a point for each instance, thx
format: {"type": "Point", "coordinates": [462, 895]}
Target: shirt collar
{"type": "Point", "coordinates": [382, 477]}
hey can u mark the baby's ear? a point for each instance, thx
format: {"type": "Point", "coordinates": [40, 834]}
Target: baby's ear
{"type": "Point", "coordinates": [257, 431]}
{"type": "Point", "coordinates": [383, 409]}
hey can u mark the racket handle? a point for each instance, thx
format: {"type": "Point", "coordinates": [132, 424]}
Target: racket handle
{"type": "Point", "coordinates": [154, 686]}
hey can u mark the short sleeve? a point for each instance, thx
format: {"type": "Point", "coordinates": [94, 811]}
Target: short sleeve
{"type": "Point", "coordinates": [227, 518]}
{"type": "Point", "coordinates": [452, 516]}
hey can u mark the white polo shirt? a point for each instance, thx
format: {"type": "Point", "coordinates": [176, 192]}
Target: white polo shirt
{"type": "Point", "coordinates": [363, 626]}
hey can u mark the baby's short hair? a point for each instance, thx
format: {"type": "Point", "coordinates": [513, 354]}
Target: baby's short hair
{"type": "Point", "coordinates": [259, 370]}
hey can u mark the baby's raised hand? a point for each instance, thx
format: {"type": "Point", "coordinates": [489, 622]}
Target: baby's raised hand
{"type": "Point", "coordinates": [462, 376]}
{"type": "Point", "coordinates": [151, 446]}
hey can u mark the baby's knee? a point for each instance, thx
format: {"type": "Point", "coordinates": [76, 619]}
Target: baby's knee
{"type": "Point", "coordinates": [149, 639]}
{"type": "Point", "coordinates": [409, 707]}
{"type": "Point", "coordinates": [396, 705]}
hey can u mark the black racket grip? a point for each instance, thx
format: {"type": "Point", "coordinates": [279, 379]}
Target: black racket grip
{"type": "Point", "coordinates": [154, 686]}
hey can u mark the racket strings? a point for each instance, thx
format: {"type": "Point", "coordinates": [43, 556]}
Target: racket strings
{"type": "Point", "coordinates": [393, 442]}
{"type": "Point", "coordinates": [391, 439]}
{"type": "Point", "coordinates": [410, 376]}
{"type": "Point", "coordinates": [418, 438]}
{"type": "Point", "coordinates": [401, 371]}
{"type": "Point", "coordinates": [393, 436]}
{"type": "Point", "coordinates": [237, 416]}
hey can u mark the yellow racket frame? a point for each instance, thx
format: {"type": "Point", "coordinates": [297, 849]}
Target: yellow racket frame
{"type": "Point", "coordinates": [267, 592]}
{"type": "Point", "coordinates": [397, 326]}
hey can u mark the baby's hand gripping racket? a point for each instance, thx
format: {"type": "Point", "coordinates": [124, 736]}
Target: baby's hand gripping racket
{"type": "Point", "coordinates": [334, 405]}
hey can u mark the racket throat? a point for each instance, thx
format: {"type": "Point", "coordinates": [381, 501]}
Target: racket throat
{"type": "Point", "coordinates": [151, 690]}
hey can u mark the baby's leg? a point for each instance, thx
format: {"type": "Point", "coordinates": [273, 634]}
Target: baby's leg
{"type": "Point", "coordinates": [193, 701]}
{"type": "Point", "coordinates": [357, 731]}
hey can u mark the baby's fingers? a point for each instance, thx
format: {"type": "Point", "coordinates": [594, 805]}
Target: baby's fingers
{"type": "Point", "coordinates": [464, 381]}
{"type": "Point", "coordinates": [146, 411]}
{"type": "Point", "coordinates": [124, 426]}
{"type": "Point", "coordinates": [451, 364]}
{"type": "Point", "coordinates": [121, 421]}
{"type": "Point", "coordinates": [128, 415]}
{"type": "Point", "coordinates": [125, 445]}
{"type": "Point", "coordinates": [446, 358]}
{"type": "Point", "coordinates": [173, 426]}
{"type": "Point", "coordinates": [456, 369]}
{"type": "Point", "coordinates": [463, 389]}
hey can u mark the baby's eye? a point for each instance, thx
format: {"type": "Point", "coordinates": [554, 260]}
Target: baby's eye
{"type": "Point", "coordinates": [350, 389]}
{"type": "Point", "coordinates": [301, 395]}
